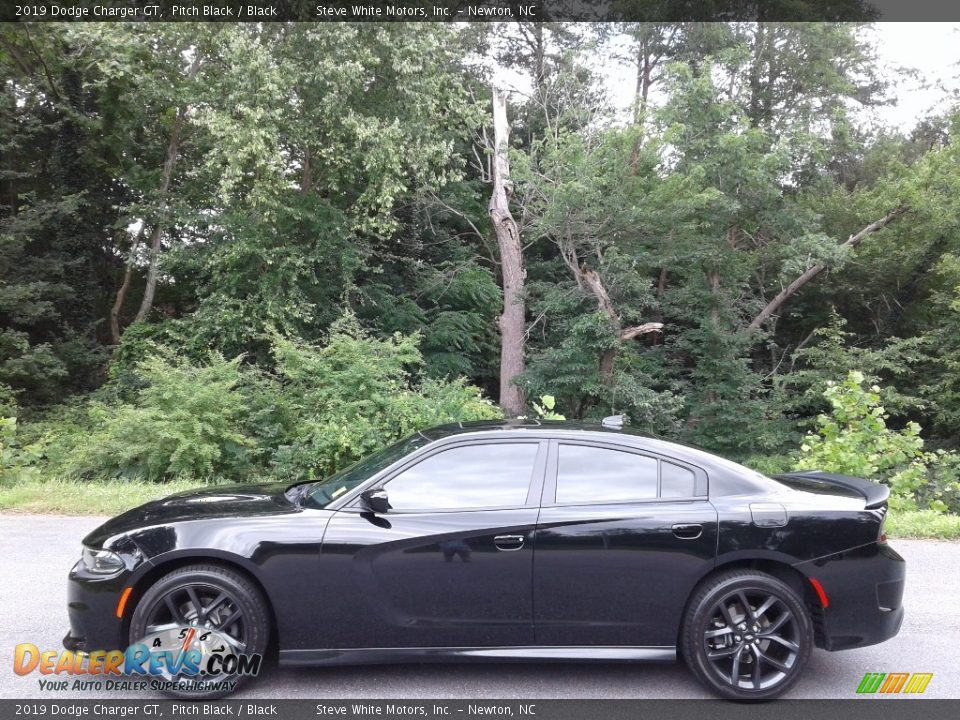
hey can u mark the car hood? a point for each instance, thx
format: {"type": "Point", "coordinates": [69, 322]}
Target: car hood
{"type": "Point", "coordinates": [239, 501]}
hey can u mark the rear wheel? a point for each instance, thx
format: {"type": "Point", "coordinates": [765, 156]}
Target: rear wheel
{"type": "Point", "coordinates": [204, 598]}
{"type": "Point", "coordinates": [747, 636]}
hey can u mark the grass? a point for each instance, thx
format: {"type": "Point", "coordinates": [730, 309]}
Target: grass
{"type": "Point", "coordinates": [72, 497]}
{"type": "Point", "coordinates": [923, 524]}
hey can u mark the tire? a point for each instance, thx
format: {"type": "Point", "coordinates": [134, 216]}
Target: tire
{"type": "Point", "coordinates": [243, 612]}
{"type": "Point", "coordinates": [755, 655]}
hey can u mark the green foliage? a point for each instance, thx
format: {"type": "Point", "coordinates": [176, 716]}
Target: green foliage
{"type": "Point", "coordinates": [770, 464]}
{"type": "Point", "coordinates": [567, 366]}
{"type": "Point", "coordinates": [939, 377]}
{"type": "Point", "coordinates": [923, 524]}
{"type": "Point", "coordinates": [855, 440]}
{"type": "Point", "coordinates": [356, 394]}
{"type": "Point", "coordinates": [545, 408]}
{"type": "Point", "coordinates": [326, 166]}
{"type": "Point", "coordinates": [18, 462]}
{"type": "Point", "coordinates": [84, 497]}
{"type": "Point", "coordinates": [187, 421]}
{"type": "Point", "coordinates": [317, 408]}
{"type": "Point", "coordinates": [458, 329]}
{"type": "Point", "coordinates": [833, 352]}
{"type": "Point", "coordinates": [8, 401]}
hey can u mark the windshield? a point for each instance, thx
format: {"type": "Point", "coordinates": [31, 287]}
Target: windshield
{"type": "Point", "coordinates": [324, 492]}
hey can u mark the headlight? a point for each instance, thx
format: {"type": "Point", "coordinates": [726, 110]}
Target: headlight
{"type": "Point", "coordinates": [102, 562]}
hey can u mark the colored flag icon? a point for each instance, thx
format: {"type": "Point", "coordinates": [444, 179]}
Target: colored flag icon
{"type": "Point", "coordinates": [893, 683]}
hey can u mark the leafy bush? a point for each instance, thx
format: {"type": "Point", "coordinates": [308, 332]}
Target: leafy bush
{"type": "Point", "coordinates": [546, 410]}
{"type": "Point", "coordinates": [357, 394]}
{"type": "Point", "coordinates": [322, 407]}
{"type": "Point", "coordinates": [187, 420]}
{"type": "Point", "coordinates": [8, 401]}
{"type": "Point", "coordinates": [18, 462]}
{"type": "Point", "coordinates": [855, 440]}
{"type": "Point", "coordinates": [833, 353]}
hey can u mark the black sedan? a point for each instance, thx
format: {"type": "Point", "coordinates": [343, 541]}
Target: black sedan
{"type": "Point", "coordinates": [510, 541]}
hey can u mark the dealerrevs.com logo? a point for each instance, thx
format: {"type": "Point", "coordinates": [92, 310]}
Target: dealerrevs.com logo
{"type": "Point", "coordinates": [894, 683]}
{"type": "Point", "coordinates": [185, 659]}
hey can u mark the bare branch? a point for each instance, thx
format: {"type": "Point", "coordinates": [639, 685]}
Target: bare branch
{"type": "Point", "coordinates": [645, 329]}
{"type": "Point", "coordinates": [794, 287]}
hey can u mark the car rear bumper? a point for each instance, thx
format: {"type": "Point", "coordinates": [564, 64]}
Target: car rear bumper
{"type": "Point", "coordinates": [864, 591]}
{"type": "Point", "coordinates": [92, 608]}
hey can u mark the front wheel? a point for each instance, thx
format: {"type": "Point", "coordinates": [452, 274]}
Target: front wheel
{"type": "Point", "coordinates": [747, 636]}
{"type": "Point", "coordinates": [212, 611]}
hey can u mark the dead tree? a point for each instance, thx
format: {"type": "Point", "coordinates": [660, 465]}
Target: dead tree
{"type": "Point", "coordinates": [513, 318]}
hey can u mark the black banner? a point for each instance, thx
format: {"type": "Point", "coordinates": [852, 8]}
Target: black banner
{"type": "Point", "coordinates": [875, 708]}
{"type": "Point", "coordinates": [476, 10]}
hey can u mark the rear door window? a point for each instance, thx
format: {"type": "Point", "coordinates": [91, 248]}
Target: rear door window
{"type": "Point", "coordinates": [602, 475]}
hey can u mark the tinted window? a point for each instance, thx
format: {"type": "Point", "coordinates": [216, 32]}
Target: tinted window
{"type": "Point", "coordinates": [473, 476]}
{"type": "Point", "coordinates": [598, 475]}
{"type": "Point", "coordinates": [676, 481]}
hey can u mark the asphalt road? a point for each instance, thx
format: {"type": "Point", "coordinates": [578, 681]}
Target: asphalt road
{"type": "Point", "coordinates": [38, 550]}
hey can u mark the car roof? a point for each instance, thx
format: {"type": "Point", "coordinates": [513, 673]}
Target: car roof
{"type": "Point", "coordinates": [519, 425]}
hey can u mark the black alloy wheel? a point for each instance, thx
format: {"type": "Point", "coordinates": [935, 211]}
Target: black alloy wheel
{"type": "Point", "coordinates": [205, 597]}
{"type": "Point", "coordinates": [747, 635]}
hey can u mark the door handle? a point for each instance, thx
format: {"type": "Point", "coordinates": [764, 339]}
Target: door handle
{"type": "Point", "coordinates": [688, 532]}
{"type": "Point", "coordinates": [508, 543]}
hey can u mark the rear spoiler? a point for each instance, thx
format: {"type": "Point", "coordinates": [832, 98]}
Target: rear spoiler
{"type": "Point", "coordinates": [874, 493]}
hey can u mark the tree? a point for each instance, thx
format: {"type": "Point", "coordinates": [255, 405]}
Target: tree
{"type": "Point", "coordinates": [58, 210]}
{"type": "Point", "coordinates": [313, 136]}
{"type": "Point", "coordinates": [513, 319]}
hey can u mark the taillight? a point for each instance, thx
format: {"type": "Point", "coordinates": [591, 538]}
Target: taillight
{"type": "Point", "coordinates": [882, 533]}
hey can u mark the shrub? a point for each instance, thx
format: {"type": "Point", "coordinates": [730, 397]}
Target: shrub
{"type": "Point", "coordinates": [187, 420]}
{"type": "Point", "coordinates": [8, 401]}
{"type": "Point", "coordinates": [18, 462]}
{"type": "Point", "coordinates": [855, 440]}
{"type": "Point", "coordinates": [322, 407]}
{"type": "Point", "coordinates": [358, 393]}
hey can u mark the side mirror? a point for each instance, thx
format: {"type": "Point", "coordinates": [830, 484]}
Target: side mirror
{"type": "Point", "coordinates": [375, 501]}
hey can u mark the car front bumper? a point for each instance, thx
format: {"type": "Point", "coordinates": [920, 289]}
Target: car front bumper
{"type": "Point", "coordinates": [864, 589]}
{"type": "Point", "coordinates": [92, 608]}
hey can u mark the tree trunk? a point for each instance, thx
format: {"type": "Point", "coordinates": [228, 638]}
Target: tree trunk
{"type": "Point", "coordinates": [808, 275]}
{"type": "Point", "coordinates": [513, 319]}
{"type": "Point", "coordinates": [124, 289]}
{"type": "Point", "coordinates": [173, 152]}
{"type": "Point", "coordinates": [644, 78]}
{"type": "Point", "coordinates": [306, 177]}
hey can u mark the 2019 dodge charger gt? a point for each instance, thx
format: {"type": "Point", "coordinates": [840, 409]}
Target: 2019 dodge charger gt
{"type": "Point", "coordinates": [510, 541]}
